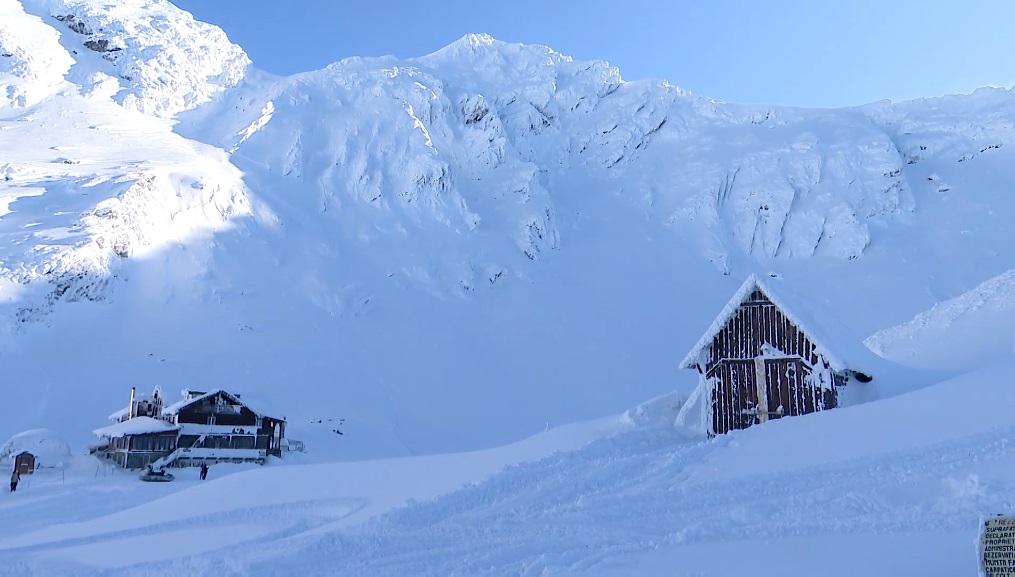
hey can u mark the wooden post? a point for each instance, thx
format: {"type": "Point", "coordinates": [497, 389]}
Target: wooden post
{"type": "Point", "coordinates": [760, 385]}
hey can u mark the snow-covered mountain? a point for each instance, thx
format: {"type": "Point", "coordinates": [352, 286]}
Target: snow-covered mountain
{"type": "Point", "coordinates": [465, 249]}
{"type": "Point", "coordinates": [448, 252]}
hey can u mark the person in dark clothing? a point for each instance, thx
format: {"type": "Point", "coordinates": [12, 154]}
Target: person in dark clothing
{"type": "Point", "coordinates": [204, 471]}
{"type": "Point", "coordinates": [15, 477]}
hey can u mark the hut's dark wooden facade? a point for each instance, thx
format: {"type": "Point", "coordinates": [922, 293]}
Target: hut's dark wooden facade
{"type": "Point", "coordinates": [757, 362]}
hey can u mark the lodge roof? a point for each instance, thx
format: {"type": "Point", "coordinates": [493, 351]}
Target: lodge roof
{"type": "Point", "coordinates": [116, 416]}
{"type": "Point", "coordinates": [136, 426]}
{"type": "Point", "coordinates": [833, 340]}
{"type": "Point", "coordinates": [176, 407]}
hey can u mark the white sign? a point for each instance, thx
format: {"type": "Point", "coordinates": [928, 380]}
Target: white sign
{"type": "Point", "coordinates": [997, 547]}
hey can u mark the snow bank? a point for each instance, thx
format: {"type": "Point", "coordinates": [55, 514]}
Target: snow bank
{"type": "Point", "coordinates": [973, 404]}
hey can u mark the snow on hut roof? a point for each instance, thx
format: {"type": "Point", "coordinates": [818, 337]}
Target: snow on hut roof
{"type": "Point", "coordinates": [833, 340]}
{"type": "Point", "coordinates": [136, 426]}
{"type": "Point", "coordinates": [177, 406]}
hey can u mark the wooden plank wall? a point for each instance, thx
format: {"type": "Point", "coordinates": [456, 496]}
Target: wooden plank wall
{"type": "Point", "coordinates": [734, 396]}
{"type": "Point", "coordinates": [756, 322]}
{"type": "Point", "coordinates": [730, 367]}
{"type": "Point", "coordinates": [786, 386]}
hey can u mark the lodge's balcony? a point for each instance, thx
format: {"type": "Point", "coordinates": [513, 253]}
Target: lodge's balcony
{"type": "Point", "coordinates": [221, 454]}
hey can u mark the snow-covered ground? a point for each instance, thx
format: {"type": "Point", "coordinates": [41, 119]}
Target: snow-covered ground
{"type": "Point", "coordinates": [852, 491]}
{"type": "Point", "coordinates": [417, 260]}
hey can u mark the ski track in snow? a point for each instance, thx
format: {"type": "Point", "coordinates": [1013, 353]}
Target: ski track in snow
{"type": "Point", "coordinates": [584, 512]}
{"type": "Point", "coordinates": [633, 498]}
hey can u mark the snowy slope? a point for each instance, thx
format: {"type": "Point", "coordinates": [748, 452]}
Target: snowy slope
{"type": "Point", "coordinates": [86, 182]}
{"type": "Point", "coordinates": [845, 492]}
{"type": "Point", "coordinates": [448, 252]}
{"type": "Point", "coordinates": [959, 332]}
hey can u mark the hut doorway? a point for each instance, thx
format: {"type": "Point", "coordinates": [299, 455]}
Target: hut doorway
{"type": "Point", "coordinates": [735, 397]}
{"type": "Point", "coordinates": [786, 392]}
{"type": "Point", "coordinates": [24, 463]}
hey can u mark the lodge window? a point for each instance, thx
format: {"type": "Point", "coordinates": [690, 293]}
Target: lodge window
{"type": "Point", "coordinates": [243, 442]}
{"type": "Point", "coordinates": [216, 442]}
{"type": "Point", "coordinates": [188, 440]}
{"type": "Point", "coordinates": [262, 442]}
{"type": "Point", "coordinates": [163, 443]}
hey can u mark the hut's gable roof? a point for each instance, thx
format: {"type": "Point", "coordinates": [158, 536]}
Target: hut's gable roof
{"type": "Point", "coordinates": [833, 341]}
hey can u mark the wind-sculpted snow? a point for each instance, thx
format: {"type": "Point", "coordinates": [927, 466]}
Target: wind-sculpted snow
{"type": "Point", "coordinates": [957, 332]}
{"type": "Point", "coordinates": [948, 128]}
{"type": "Point", "coordinates": [800, 186]}
{"type": "Point", "coordinates": [165, 60]}
{"type": "Point", "coordinates": [32, 62]}
{"type": "Point", "coordinates": [483, 120]}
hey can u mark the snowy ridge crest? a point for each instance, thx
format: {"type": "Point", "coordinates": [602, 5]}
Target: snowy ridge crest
{"type": "Point", "coordinates": [950, 323]}
{"type": "Point", "coordinates": [32, 62]}
{"type": "Point", "coordinates": [485, 115]}
{"type": "Point", "coordinates": [165, 60]}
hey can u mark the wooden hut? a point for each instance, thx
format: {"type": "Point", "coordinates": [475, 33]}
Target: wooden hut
{"type": "Point", "coordinates": [24, 463]}
{"type": "Point", "coordinates": [771, 354]}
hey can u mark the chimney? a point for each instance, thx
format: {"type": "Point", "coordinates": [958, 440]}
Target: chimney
{"type": "Point", "coordinates": [133, 407]}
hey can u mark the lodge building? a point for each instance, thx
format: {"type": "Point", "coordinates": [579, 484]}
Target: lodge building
{"type": "Point", "coordinates": [203, 427]}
